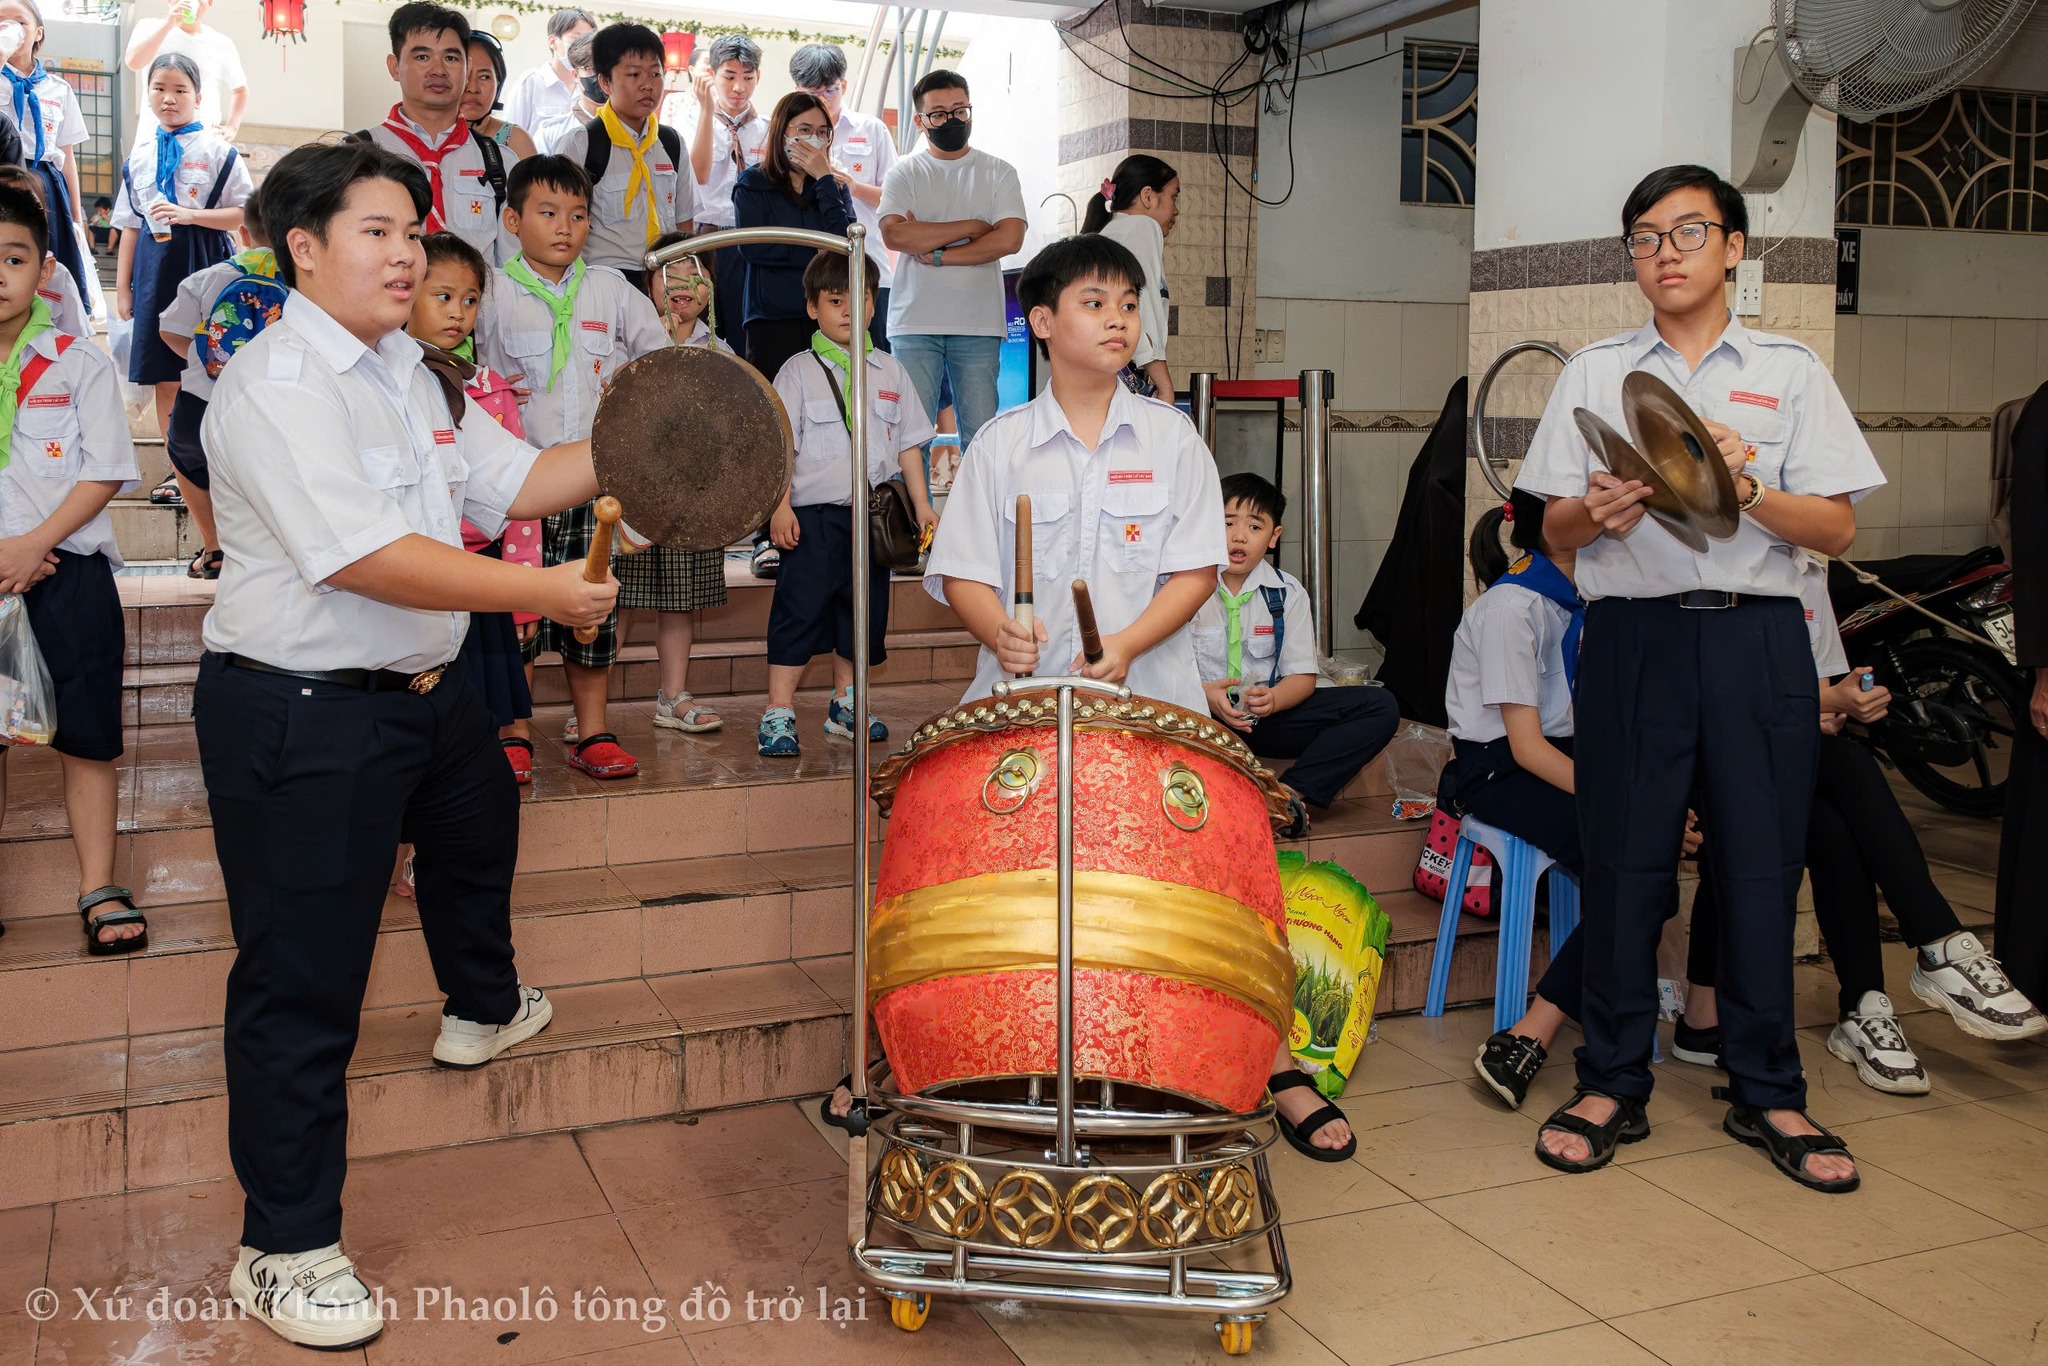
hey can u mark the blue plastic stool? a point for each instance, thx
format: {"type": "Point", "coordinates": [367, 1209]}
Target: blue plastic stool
{"type": "Point", "coordinates": [1520, 864]}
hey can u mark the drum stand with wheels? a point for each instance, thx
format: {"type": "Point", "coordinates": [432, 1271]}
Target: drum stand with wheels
{"type": "Point", "coordinates": [1134, 1202]}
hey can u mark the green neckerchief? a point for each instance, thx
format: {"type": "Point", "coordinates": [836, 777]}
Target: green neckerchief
{"type": "Point", "coordinates": [256, 261]}
{"type": "Point", "coordinates": [562, 305]}
{"type": "Point", "coordinates": [1233, 630]}
{"type": "Point", "coordinates": [465, 349]}
{"type": "Point", "coordinates": [10, 373]}
{"type": "Point", "coordinates": [822, 345]}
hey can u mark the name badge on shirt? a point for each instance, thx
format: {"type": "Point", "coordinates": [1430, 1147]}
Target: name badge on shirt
{"type": "Point", "coordinates": [48, 401]}
{"type": "Point", "coordinates": [1130, 477]}
{"type": "Point", "coordinates": [594, 326]}
{"type": "Point", "coordinates": [445, 437]}
{"type": "Point", "coordinates": [1760, 400]}
{"type": "Point", "coordinates": [1262, 630]}
{"type": "Point", "coordinates": [857, 147]}
{"type": "Point", "coordinates": [890, 396]}
{"type": "Point", "coordinates": [52, 295]}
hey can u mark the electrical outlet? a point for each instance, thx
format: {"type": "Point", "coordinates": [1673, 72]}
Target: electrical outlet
{"type": "Point", "coordinates": [1749, 289]}
{"type": "Point", "coordinates": [1269, 346]}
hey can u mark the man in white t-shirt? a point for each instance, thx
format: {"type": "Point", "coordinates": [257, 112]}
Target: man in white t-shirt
{"type": "Point", "coordinates": [547, 91]}
{"type": "Point", "coordinates": [223, 86]}
{"type": "Point", "coordinates": [863, 150]}
{"type": "Point", "coordinates": [953, 214]}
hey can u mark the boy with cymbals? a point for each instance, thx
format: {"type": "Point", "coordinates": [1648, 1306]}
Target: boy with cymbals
{"type": "Point", "coordinates": [564, 328]}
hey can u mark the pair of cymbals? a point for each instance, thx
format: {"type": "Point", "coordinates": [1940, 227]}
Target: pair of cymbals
{"type": "Point", "coordinates": [1692, 495]}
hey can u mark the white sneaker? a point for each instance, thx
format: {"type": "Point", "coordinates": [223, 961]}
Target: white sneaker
{"type": "Point", "coordinates": [465, 1043]}
{"type": "Point", "coordinates": [309, 1298]}
{"type": "Point", "coordinates": [1871, 1039]}
{"type": "Point", "coordinates": [1957, 975]}
{"type": "Point", "coordinates": [684, 712]}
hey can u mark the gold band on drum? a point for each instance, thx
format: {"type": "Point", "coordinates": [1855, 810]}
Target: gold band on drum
{"type": "Point", "coordinates": [999, 922]}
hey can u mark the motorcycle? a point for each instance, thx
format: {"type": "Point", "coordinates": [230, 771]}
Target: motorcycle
{"type": "Point", "coordinates": [1956, 704]}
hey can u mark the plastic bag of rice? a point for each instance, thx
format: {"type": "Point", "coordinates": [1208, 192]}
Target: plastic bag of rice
{"type": "Point", "coordinates": [1338, 935]}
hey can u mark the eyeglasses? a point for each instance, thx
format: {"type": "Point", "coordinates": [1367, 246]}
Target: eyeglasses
{"type": "Point", "coordinates": [1686, 237]}
{"type": "Point", "coordinates": [939, 118]}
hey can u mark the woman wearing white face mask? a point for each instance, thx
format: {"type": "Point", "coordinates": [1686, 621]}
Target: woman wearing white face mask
{"type": "Point", "coordinates": [794, 186]}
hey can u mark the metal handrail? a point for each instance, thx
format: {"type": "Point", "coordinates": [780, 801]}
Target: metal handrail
{"type": "Point", "coordinates": [1486, 462]}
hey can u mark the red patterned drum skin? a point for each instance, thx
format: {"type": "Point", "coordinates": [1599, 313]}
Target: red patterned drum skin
{"type": "Point", "coordinates": [1183, 982]}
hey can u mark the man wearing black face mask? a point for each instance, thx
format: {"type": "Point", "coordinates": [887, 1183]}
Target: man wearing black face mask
{"type": "Point", "coordinates": [953, 213]}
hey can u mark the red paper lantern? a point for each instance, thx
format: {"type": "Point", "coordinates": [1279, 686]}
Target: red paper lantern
{"type": "Point", "coordinates": [677, 47]}
{"type": "Point", "coordinates": [284, 19]}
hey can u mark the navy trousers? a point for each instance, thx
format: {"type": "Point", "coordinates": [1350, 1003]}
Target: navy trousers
{"type": "Point", "coordinates": [312, 786]}
{"type": "Point", "coordinates": [1669, 701]}
{"type": "Point", "coordinates": [1333, 734]}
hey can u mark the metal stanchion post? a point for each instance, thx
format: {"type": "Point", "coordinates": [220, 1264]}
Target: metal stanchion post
{"type": "Point", "coordinates": [1316, 564]}
{"type": "Point", "coordinates": [1202, 405]}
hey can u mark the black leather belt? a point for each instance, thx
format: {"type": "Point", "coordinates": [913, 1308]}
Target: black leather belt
{"type": "Point", "coordinates": [362, 680]}
{"type": "Point", "coordinates": [1704, 600]}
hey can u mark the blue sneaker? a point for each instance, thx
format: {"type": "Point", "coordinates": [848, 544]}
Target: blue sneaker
{"type": "Point", "coordinates": [778, 733]}
{"type": "Point", "coordinates": [839, 718]}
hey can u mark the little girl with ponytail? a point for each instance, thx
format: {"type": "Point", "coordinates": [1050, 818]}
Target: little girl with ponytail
{"type": "Point", "coordinates": [1136, 208]}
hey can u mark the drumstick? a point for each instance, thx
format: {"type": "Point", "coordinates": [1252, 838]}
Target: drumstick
{"type": "Point", "coordinates": [598, 563]}
{"type": "Point", "coordinates": [1020, 592]}
{"type": "Point", "coordinates": [1084, 621]}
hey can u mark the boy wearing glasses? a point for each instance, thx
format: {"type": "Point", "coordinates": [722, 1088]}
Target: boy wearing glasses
{"type": "Point", "coordinates": [952, 213]}
{"type": "Point", "coordinates": [1695, 675]}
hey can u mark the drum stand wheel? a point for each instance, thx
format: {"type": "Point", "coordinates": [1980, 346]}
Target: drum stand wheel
{"type": "Point", "coordinates": [1236, 1335]}
{"type": "Point", "coordinates": [909, 1312]}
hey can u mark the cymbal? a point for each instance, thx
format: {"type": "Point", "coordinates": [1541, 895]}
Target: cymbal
{"type": "Point", "coordinates": [1692, 495]}
{"type": "Point", "coordinates": [694, 444]}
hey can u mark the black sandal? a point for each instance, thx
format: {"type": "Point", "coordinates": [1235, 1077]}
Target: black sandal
{"type": "Point", "coordinates": [167, 493]}
{"type": "Point", "coordinates": [1788, 1152]}
{"type": "Point", "coordinates": [1298, 1136]}
{"type": "Point", "coordinates": [127, 915]}
{"type": "Point", "coordinates": [1297, 819]}
{"type": "Point", "coordinates": [205, 564]}
{"type": "Point", "coordinates": [1628, 1124]}
{"type": "Point", "coordinates": [854, 1121]}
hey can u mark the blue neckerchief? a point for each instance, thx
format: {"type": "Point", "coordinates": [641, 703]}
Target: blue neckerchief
{"type": "Point", "coordinates": [24, 100]}
{"type": "Point", "coordinates": [167, 157]}
{"type": "Point", "coordinates": [1535, 572]}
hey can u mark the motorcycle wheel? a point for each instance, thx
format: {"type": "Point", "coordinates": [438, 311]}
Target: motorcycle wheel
{"type": "Point", "coordinates": [1981, 688]}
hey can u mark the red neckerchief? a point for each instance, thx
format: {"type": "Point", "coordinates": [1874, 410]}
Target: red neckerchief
{"type": "Point", "coordinates": [429, 157]}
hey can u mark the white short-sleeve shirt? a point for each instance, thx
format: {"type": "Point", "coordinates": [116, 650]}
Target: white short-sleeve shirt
{"type": "Point", "coordinates": [1829, 658]}
{"type": "Point", "coordinates": [618, 227]}
{"type": "Point", "coordinates": [714, 192]}
{"type": "Point", "coordinates": [865, 149]}
{"type": "Point", "coordinates": [322, 451]}
{"type": "Point", "coordinates": [1772, 390]}
{"type": "Point", "coordinates": [1272, 650]}
{"type": "Point", "coordinates": [63, 121]}
{"type": "Point", "coordinates": [71, 428]}
{"type": "Point", "coordinates": [1144, 503]}
{"type": "Point", "coordinates": [1509, 650]}
{"type": "Point", "coordinates": [220, 76]}
{"type": "Point", "coordinates": [613, 324]}
{"type": "Point", "coordinates": [205, 159]}
{"type": "Point", "coordinates": [67, 310]}
{"type": "Point", "coordinates": [958, 301]}
{"type": "Point", "coordinates": [1146, 240]}
{"type": "Point", "coordinates": [196, 296]}
{"type": "Point", "coordinates": [896, 422]}
{"type": "Point", "coordinates": [469, 206]}
{"type": "Point", "coordinates": [538, 96]}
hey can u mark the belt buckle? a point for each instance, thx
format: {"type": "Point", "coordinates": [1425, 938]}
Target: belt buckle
{"type": "Point", "coordinates": [424, 683]}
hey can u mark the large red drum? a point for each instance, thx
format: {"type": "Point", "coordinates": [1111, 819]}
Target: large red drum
{"type": "Point", "coordinates": [1182, 981]}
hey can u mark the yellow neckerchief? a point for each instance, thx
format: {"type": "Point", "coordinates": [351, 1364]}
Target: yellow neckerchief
{"type": "Point", "coordinates": [615, 127]}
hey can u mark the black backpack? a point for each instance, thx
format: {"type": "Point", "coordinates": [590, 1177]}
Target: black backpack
{"type": "Point", "coordinates": [494, 160]}
{"type": "Point", "coordinates": [598, 155]}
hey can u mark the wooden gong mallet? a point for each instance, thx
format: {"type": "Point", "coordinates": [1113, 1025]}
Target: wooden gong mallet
{"type": "Point", "coordinates": [598, 563]}
{"type": "Point", "coordinates": [1020, 591]}
{"type": "Point", "coordinates": [1084, 622]}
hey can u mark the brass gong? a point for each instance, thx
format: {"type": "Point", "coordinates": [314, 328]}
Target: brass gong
{"type": "Point", "coordinates": [695, 446]}
{"type": "Point", "coordinates": [1692, 495]}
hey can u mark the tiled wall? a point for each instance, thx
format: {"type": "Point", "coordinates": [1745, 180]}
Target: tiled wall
{"type": "Point", "coordinates": [1924, 389]}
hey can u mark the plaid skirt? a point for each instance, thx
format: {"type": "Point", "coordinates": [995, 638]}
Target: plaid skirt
{"type": "Point", "coordinates": [665, 580]}
{"type": "Point", "coordinates": [565, 539]}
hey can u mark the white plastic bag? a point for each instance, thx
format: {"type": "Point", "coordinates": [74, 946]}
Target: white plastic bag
{"type": "Point", "coordinates": [1415, 760]}
{"type": "Point", "coordinates": [28, 701]}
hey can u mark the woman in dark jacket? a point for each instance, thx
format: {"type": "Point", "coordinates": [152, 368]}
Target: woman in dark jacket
{"type": "Point", "coordinates": [793, 186]}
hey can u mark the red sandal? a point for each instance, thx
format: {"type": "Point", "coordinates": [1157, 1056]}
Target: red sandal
{"type": "Point", "coordinates": [601, 757]}
{"type": "Point", "coordinates": [519, 753]}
